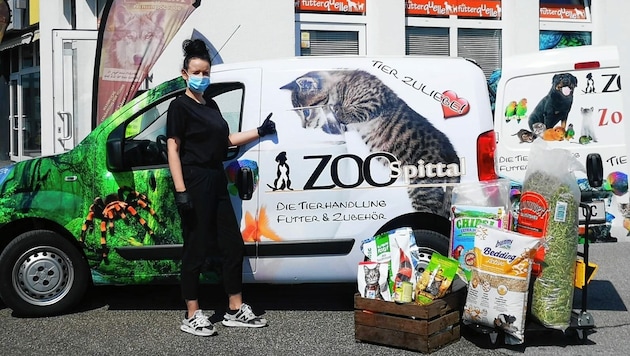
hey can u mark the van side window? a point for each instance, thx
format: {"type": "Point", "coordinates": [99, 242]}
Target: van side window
{"type": "Point", "coordinates": [229, 98]}
{"type": "Point", "coordinates": [145, 137]}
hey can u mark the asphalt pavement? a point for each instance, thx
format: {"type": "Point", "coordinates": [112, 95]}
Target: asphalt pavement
{"type": "Point", "coordinates": [303, 320]}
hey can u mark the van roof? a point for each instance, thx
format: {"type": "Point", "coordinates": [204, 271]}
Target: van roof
{"type": "Point", "coordinates": [559, 59]}
{"type": "Point", "coordinates": [340, 62]}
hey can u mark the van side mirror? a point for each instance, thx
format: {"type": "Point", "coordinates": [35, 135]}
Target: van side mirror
{"type": "Point", "coordinates": [245, 183]}
{"type": "Point", "coordinates": [114, 151]}
{"type": "Point", "coordinates": [594, 170]}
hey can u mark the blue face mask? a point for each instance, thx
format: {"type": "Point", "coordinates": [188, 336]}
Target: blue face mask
{"type": "Point", "coordinates": [198, 83]}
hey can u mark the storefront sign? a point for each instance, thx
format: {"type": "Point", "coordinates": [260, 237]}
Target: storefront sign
{"type": "Point", "coordinates": [461, 8]}
{"type": "Point", "coordinates": [345, 6]}
{"type": "Point", "coordinates": [562, 13]}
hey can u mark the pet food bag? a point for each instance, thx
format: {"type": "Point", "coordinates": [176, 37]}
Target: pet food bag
{"type": "Point", "coordinates": [549, 208]}
{"type": "Point", "coordinates": [372, 280]}
{"type": "Point", "coordinates": [499, 284]}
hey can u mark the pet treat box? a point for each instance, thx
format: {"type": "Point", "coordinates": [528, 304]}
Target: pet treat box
{"type": "Point", "coordinates": [411, 326]}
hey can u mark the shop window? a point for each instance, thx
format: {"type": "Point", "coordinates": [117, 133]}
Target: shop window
{"type": "Point", "coordinates": [326, 43]}
{"type": "Point", "coordinates": [481, 45]}
{"type": "Point", "coordinates": [27, 56]}
{"type": "Point", "coordinates": [432, 41]}
{"type": "Point", "coordinates": [559, 39]}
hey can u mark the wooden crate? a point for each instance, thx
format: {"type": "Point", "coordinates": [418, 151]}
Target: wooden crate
{"type": "Point", "coordinates": [423, 328]}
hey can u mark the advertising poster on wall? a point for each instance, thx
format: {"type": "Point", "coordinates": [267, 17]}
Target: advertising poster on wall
{"type": "Point", "coordinates": [132, 36]}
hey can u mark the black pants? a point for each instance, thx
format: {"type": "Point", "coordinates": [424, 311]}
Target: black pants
{"type": "Point", "coordinates": [209, 226]}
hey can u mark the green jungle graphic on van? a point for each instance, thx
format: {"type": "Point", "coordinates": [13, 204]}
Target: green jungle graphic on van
{"type": "Point", "coordinates": [131, 209]}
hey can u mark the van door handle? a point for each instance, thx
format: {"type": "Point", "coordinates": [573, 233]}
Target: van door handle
{"type": "Point", "coordinates": [70, 178]}
{"type": "Point", "coordinates": [66, 117]}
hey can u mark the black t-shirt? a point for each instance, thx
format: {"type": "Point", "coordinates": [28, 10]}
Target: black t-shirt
{"type": "Point", "coordinates": [201, 129]}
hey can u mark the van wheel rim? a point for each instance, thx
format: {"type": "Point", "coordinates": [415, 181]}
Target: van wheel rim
{"type": "Point", "coordinates": [43, 275]}
{"type": "Point", "coordinates": [422, 255]}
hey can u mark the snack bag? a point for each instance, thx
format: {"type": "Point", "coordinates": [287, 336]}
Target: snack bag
{"type": "Point", "coordinates": [436, 278]}
{"type": "Point", "coordinates": [497, 291]}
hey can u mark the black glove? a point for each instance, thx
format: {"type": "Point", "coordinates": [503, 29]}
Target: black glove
{"type": "Point", "coordinates": [268, 127]}
{"type": "Point", "coordinates": [183, 202]}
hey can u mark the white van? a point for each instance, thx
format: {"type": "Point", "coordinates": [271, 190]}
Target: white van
{"type": "Point", "coordinates": [570, 97]}
{"type": "Point", "coordinates": [363, 146]}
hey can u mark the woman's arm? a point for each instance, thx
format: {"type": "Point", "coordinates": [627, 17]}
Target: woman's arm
{"type": "Point", "coordinates": [268, 127]}
{"type": "Point", "coordinates": [175, 164]}
{"type": "Point", "coordinates": [243, 138]}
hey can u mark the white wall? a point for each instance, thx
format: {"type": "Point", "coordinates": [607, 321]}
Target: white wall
{"type": "Point", "coordinates": [385, 27]}
{"type": "Point", "coordinates": [264, 29]}
{"type": "Point", "coordinates": [520, 27]}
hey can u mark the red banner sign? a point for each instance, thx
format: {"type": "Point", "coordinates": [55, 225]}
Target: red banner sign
{"type": "Point", "coordinates": [133, 35]}
{"type": "Point", "coordinates": [461, 8]}
{"type": "Point", "coordinates": [349, 6]}
{"type": "Point", "coordinates": [559, 12]}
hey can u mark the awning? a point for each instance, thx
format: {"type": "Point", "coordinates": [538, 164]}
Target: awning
{"type": "Point", "coordinates": [26, 38]}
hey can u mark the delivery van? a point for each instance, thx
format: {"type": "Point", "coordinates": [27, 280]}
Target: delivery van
{"type": "Point", "coordinates": [571, 98]}
{"type": "Point", "coordinates": [363, 146]}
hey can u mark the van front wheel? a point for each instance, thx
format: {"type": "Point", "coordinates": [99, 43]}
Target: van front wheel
{"type": "Point", "coordinates": [429, 242]}
{"type": "Point", "coordinates": [41, 273]}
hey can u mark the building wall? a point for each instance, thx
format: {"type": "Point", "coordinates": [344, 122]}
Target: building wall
{"type": "Point", "coordinates": [243, 30]}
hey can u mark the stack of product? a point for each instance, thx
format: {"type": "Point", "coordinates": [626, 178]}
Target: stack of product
{"type": "Point", "coordinates": [544, 247]}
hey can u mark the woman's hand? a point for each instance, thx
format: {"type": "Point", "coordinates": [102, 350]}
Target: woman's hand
{"type": "Point", "coordinates": [268, 127]}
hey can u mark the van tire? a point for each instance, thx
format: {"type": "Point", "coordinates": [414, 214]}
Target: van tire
{"type": "Point", "coordinates": [41, 274]}
{"type": "Point", "coordinates": [428, 242]}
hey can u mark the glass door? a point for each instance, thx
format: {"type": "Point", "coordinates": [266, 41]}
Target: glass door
{"type": "Point", "coordinates": [25, 116]}
{"type": "Point", "coordinates": [15, 121]}
{"type": "Point", "coordinates": [73, 82]}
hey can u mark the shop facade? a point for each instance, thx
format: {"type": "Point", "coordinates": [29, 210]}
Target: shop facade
{"type": "Point", "coordinates": [47, 62]}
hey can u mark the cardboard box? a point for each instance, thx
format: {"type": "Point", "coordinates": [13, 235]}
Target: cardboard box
{"type": "Point", "coordinates": [411, 326]}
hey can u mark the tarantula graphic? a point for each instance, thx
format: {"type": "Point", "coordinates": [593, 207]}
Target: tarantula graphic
{"type": "Point", "coordinates": [116, 206]}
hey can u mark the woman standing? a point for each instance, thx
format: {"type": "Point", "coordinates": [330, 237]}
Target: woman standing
{"type": "Point", "coordinates": [198, 140]}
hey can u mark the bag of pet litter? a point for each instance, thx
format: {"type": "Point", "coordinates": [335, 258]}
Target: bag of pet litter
{"type": "Point", "coordinates": [474, 204]}
{"type": "Point", "coordinates": [499, 284]}
{"type": "Point", "coordinates": [549, 208]}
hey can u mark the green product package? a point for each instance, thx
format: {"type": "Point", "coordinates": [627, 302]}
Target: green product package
{"type": "Point", "coordinates": [436, 278]}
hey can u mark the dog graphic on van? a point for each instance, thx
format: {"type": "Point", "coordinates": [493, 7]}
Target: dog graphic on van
{"type": "Point", "coordinates": [554, 107]}
{"type": "Point", "coordinates": [590, 84]}
{"type": "Point", "coordinates": [133, 37]}
{"type": "Point", "coordinates": [282, 180]}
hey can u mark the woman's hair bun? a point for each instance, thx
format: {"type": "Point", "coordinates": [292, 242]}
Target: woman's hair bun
{"type": "Point", "coordinates": [195, 48]}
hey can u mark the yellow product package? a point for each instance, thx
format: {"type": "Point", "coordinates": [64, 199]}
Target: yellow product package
{"type": "Point", "coordinates": [497, 290]}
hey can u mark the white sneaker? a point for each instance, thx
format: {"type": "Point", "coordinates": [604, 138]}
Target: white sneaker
{"type": "Point", "coordinates": [198, 325]}
{"type": "Point", "coordinates": [244, 317]}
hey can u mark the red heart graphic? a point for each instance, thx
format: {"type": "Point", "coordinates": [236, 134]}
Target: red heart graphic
{"type": "Point", "coordinates": [454, 106]}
